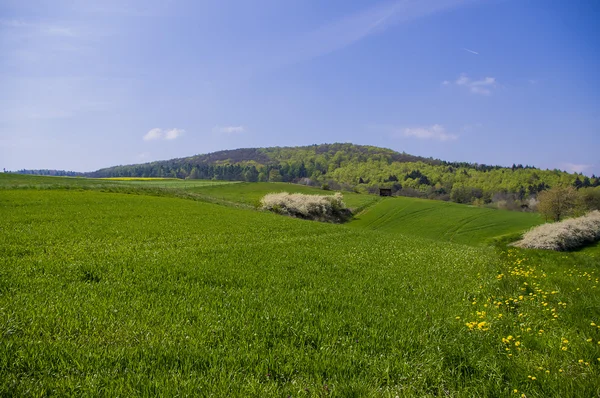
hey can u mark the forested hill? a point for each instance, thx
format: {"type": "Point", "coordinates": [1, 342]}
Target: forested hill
{"type": "Point", "coordinates": [359, 167]}
{"type": "Point", "coordinates": [262, 164]}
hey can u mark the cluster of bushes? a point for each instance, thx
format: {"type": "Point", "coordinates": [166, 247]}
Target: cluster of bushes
{"type": "Point", "coordinates": [565, 235]}
{"type": "Point", "coordinates": [328, 208]}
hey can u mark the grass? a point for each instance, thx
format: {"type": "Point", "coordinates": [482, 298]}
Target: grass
{"type": "Point", "coordinates": [153, 179]}
{"type": "Point", "coordinates": [223, 192]}
{"type": "Point", "coordinates": [252, 193]}
{"type": "Point", "coordinates": [444, 221]}
{"type": "Point", "coordinates": [105, 293]}
{"type": "Point", "coordinates": [13, 181]}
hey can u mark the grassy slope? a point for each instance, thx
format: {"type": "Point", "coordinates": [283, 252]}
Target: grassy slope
{"type": "Point", "coordinates": [251, 193]}
{"type": "Point", "coordinates": [248, 194]}
{"type": "Point", "coordinates": [443, 220]}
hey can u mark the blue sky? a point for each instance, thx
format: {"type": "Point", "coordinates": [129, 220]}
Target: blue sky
{"type": "Point", "coordinates": [85, 84]}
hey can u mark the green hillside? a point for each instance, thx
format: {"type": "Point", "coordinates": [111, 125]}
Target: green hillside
{"type": "Point", "coordinates": [131, 293]}
{"type": "Point", "coordinates": [443, 221]}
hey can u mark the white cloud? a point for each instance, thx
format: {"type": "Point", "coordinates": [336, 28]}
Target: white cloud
{"type": "Point", "coordinates": [576, 168]}
{"type": "Point", "coordinates": [482, 86]}
{"type": "Point", "coordinates": [173, 134]}
{"type": "Point", "coordinates": [159, 134]}
{"type": "Point", "coordinates": [229, 129]}
{"type": "Point", "coordinates": [154, 134]}
{"type": "Point", "coordinates": [435, 132]}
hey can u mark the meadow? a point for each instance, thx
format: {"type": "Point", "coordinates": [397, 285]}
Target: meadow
{"type": "Point", "coordinates": [139, 293]}
{"type": "Point", "coordinates": [444, 221]}
{"type": "Point", "coordinates": [251, 193]}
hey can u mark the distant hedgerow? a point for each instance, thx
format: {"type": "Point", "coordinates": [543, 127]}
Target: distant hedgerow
{"type": "Point", "coordinates": [329, 208]}
{"type": "Point", "coordinates": [565, 235]}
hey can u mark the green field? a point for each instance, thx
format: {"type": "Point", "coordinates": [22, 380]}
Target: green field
{"type": "Point", "coordinates": [144, 293]}
{"type": "Point", "coordinates": [251, 193]}
{"type": "Point", "coordinates": [12, 181]}
{"type": "Point", "coordinates": [444, 221]}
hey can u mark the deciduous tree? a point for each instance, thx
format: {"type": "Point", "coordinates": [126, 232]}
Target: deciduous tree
{"type": "Point", "coordinates": [557, 202]}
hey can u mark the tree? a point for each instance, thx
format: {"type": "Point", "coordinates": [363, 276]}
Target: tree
{"type": "Point", "coordinates": [557, 202]}
{"type": "Point", "coordinates": [194, 174]}
{"type": "Point", "coordinates": [589, 199]}
{"type": "Point", "coordinates": [275, 176]}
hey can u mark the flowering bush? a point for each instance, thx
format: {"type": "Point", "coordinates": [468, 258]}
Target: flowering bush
{"type": "Point", "coordinates": [565, 235]}
{"type": "Point", "coordinates": [311, 207]}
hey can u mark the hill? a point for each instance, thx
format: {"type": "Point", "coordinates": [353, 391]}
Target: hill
{"type": "Point", "coordinates": [363, 169]}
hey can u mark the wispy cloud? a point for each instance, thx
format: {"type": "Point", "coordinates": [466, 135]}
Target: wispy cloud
{"type": "Point", "coordinates": [159, 134]}
{"type": "Point", "coordinates": [229, 129]}
{"type": "Point", "coordinates": [576, 168]}
{"type": "Point", "coordinates": [471, 51]}
{"type": "Point", "coordinates": [435, 132]}
{"type": "Point", "coordinates": [483, 86]}
{"type": "Point", "coordinates": [351, 28]}
{"type": "Point", "coordinates": [37, 28]}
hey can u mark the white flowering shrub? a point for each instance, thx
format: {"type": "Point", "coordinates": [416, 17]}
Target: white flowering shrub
{"type": "Point", "coordinates": [311, 207]}
{"type": "Point", "coordinates": [565, 235]}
